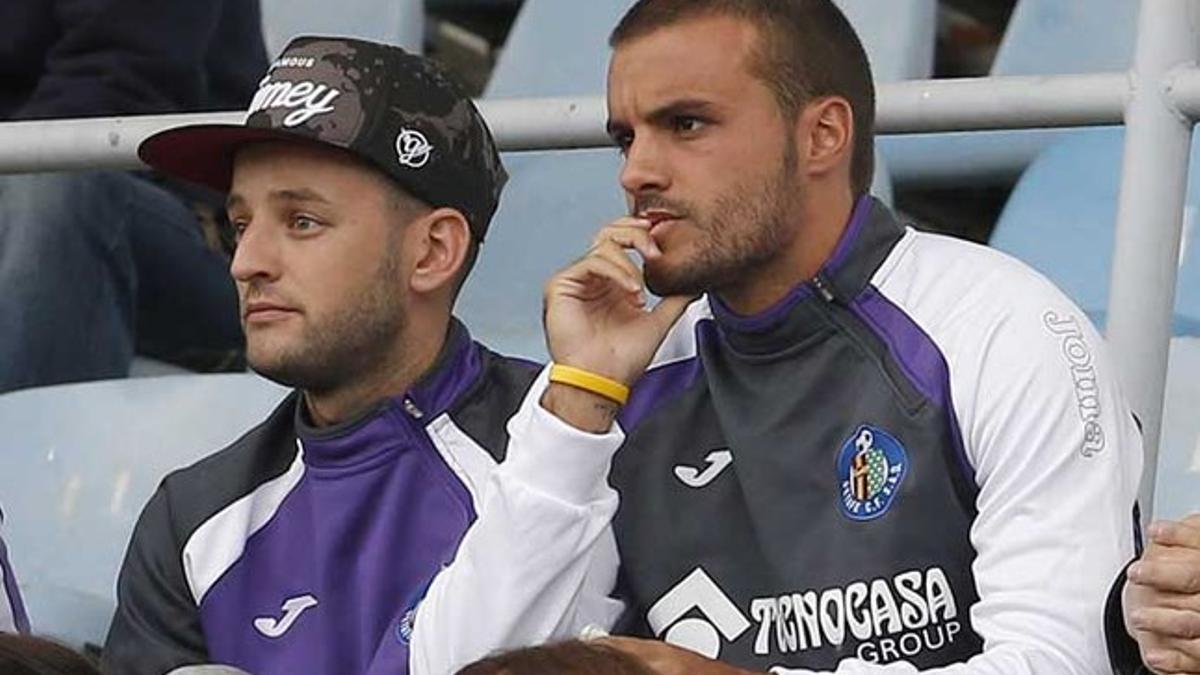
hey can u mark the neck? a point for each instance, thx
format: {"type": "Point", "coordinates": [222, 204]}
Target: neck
{"type": "Point", "coordinates": [819, 225]}
{"type": "Point", "coordinates": [414, 354]}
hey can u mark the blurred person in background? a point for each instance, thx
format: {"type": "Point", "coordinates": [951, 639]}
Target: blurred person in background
{"type": "Point", "coordinates": [29, 655]}
{"type": "Point", "coordinates": [97, 265]}
{"type": "Point", "coordinates": [573, 657]}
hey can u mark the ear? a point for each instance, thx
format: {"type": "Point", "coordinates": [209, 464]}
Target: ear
{"type": "Point", "coordinates": [826, 135]}
{"type": "Point", "coordinates": [445, 238]}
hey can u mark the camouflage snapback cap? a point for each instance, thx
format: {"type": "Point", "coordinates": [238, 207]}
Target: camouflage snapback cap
{"type": "Point", "coordinates": [397, 111]}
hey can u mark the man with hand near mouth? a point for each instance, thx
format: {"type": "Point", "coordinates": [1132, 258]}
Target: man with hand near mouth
{"type": "Point", "coordinates": [867, 449]}
{"type": "Point", "coordinates": [368, 525]}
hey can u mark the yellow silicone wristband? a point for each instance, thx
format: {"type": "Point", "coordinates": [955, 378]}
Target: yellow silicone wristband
{"type": "Point", "coordinates": [588, 381]}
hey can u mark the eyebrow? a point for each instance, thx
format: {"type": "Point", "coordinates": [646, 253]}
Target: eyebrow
{"type": "Point", "coordinates": [282, 195]}
{"type": "Point", "coordinates": [681, 107]}
{"type": "Point", "coordinates": [686, 106]}
{"type": "Point", "coordinates": [297, 195]}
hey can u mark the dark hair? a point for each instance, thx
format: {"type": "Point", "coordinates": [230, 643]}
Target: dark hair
{"type": "Point", "coordinates": [807, 50]}
{"type": "Point", "coordinates": [565, 658]}
{"type": "Point", "coordinates": [28, 655]}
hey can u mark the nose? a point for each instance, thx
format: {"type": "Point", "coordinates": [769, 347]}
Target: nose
{"type": "Point", "coordinates": [645, 168]}
{"type": "Point", "coordinates": [256, 256]}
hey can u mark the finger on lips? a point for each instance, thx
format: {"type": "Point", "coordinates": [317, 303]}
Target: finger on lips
{"type": "Point", "coordinates": [638, 239]}
{"type": "Point", "coordinates": [632, 221]}
{"type": "Point", "coordinates": [627, 223]}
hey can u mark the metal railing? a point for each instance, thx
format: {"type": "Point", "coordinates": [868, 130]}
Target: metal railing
{"type": "Point", "coordinates": [1158, 101]}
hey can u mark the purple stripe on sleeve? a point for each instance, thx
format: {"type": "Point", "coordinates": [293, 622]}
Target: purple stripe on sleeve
{"type": "Point", "coordinates": [918, 357]}
{"type": "Point", "coordinates": [663, 384]}
{"type": "Point", "coordinates": [11, 594]}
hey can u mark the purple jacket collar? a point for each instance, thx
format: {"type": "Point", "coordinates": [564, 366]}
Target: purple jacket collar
{"type": "Point", "coordinates": [771, 317]}
{"type": "Point", "coordinates": [400, 420]}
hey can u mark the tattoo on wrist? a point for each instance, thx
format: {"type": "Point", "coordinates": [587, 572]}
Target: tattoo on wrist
{"type": "Point", "coordinates": [585, 410]}
{"type": "Point", "coordinates": [608, 409]}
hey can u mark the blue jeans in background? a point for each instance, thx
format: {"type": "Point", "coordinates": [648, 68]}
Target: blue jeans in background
{"type": "Point", "coordinates": [96, 265]}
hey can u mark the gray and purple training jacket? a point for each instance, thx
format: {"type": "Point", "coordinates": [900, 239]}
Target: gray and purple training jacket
{"type": "Point", "coordinates": [918, 458]}
{"type": "Point", "coordinates": [305, 550]}
{"type": "Point", "coordinates": [918, 461]}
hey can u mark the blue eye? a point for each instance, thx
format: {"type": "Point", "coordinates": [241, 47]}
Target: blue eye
{"type": "Point", "coordinates": [304, 224]}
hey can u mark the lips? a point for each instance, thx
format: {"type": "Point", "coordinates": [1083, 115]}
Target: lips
{"type": "Point", "coordinates": [661, 222]}
{"type": "Point", "coordinates": [656, 216]}
{"type": "Point", "coordinates": [260, 312]}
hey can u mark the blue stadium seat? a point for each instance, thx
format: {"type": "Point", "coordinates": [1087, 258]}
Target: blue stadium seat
{"type": "Point", "coordinates": [1052, 36]}
{"type": "Point", "coordinates": [1044, 37]}
{"type": "Point", "coordinates": [899, 38]}
{"type": "Point", "coordinates": [555, 201]}
{"type": "Point", "coordinates": [898, 35]}
{"type": "Point", "coordinates": [80, 461]}
{"type": "Point", "coordinates": [1061, 219]}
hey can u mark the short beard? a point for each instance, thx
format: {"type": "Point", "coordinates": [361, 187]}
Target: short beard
{"type": "Point", "coordinates": [349, 346]}
{"type": "Point", "coordinates": [731, 252]}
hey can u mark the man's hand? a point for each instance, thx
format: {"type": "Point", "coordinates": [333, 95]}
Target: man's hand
{"type": "Point", "coordinates": [1162, 598]}
{"type": "Point", "coordinates": [597, 320]}
{"type": "Point", "coordinates": [666, 659]}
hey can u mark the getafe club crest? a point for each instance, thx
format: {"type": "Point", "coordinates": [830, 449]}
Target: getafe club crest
{"type": "Point", "coordinates": [870, 467]}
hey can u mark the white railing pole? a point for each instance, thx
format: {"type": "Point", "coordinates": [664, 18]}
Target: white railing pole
{"type": "Point", "coordinates": [1158, 141]}
{"type": "Point", "coordinates": [95, 143]}
{"type": "Point", "coordinates": [578, 122]}
{"type": "Point", "coordinates": [1011, 102]}
{"type": "Point", "coordinates": [522, 124]}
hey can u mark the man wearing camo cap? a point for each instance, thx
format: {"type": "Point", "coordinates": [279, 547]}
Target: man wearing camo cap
{"type": "Point", "coordinates": [368, 525]}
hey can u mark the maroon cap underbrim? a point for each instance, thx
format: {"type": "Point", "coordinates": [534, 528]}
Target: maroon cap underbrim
{"type": "Point", "coordinates": [203, 153]}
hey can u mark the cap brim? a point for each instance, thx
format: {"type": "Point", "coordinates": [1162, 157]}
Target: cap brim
{"type": "Point", "coordinates": [203, 153]}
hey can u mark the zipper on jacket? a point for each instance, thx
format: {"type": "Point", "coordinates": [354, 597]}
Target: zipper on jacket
{"type": "Point", "coordinates": [412, 409]}
{"type": "Point", "coordinates": [824, 288]}
{"type": "Point", "coordinates": [849, 327]}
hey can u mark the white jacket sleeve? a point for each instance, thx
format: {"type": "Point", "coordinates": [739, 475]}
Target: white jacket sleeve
{"type": "Point", "coordinates": [1057, 458]}
{"type": "Point", "coordinates": [540, 559]}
